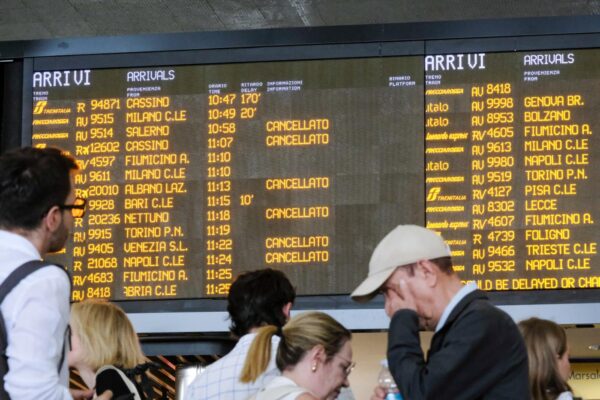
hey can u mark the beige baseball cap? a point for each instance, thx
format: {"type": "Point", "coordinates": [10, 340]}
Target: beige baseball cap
{"type": "Point", "coordinates": [405, 244]}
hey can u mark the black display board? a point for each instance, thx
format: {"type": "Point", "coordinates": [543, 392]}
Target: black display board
{"type": "Point", "coordinates": [206, 155]}
{"type": "Point", "coordinates": [194, 174]}
{"type": "Point", "coordinates": [512, 160]}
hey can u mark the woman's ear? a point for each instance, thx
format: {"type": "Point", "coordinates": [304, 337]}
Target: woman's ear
{"type": "Point", "coordinates": [286, 310]}
{"type": "Point", "coordinates": [318, 354]}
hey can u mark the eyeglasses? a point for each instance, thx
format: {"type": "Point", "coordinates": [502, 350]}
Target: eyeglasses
{"type": "Point", "coordinates": [77, 208]}
{"type": "Point", "coordinates": [351, 364]}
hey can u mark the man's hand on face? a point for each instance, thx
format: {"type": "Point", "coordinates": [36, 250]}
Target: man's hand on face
{"type": "Point", "coordinates": [398, 296]}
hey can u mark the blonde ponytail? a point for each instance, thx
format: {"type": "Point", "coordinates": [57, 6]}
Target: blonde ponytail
{"type": "Point", "coordinates": [259, 355]}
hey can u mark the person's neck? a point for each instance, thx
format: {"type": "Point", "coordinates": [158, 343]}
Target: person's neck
{"type": "Point", "coordinates": [451, 287]}
{"type": "Point", "coordinates": [447, 289]}
{"type": "Point", "coordinates": [88, 375]}
{"type": "Point", "coordinates": [34, 236]}
{"type": "Point", "coordinates": [300, 374]}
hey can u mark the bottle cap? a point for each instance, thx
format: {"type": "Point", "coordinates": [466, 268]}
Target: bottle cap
{"type": "Point", "coordinates": [384, 363]}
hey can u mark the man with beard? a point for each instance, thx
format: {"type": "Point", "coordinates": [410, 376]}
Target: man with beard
{"type": "Point", "coordinates": [37, 210]}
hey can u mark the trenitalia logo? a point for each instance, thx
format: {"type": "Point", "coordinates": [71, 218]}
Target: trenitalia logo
{"type": "Point", "coordinates": [39, 107]}
{"type": "Point", "coordinates": [434, 193]}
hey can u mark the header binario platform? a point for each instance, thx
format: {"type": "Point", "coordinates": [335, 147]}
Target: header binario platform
{"type": "Point", "coordinates": [200, 165]}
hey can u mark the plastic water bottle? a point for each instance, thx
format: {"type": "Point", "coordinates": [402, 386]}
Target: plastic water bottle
{"type": "Point", "coordinates": [386, 381]}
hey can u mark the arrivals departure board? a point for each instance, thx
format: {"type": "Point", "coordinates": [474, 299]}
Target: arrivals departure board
{"type": "Point", "coordinates": [513, 164]}
{"type": "Point", "coordinates": [194, 174]}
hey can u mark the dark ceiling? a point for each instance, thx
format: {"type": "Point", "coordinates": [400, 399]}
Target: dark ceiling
{"type": "Point", "coordinates": [46, 19]}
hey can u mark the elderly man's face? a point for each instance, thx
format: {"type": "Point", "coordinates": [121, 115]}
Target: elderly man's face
{"type": "Point", "coordinates": [414, 293]}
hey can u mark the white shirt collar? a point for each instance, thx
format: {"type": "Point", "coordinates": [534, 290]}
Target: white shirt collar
{"type": "Point", "coordinates": [14, 240]}
{"type": "Point", "coordinates": [461, 294]}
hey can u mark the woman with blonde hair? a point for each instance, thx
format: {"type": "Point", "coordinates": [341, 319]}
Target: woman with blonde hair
{"type": "Point", "coordinates": [314, 357]}
{"type": "Point", "coordinates": [105, 349]}
{"type": "Point", "coordinates": [548, 353]}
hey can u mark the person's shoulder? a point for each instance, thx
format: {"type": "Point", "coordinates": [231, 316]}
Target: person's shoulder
{"type": "Point", "coordinates": [205, 377]}
{"type": "Point", "coordinates": [479, 313]}
{"type": "Point", "coordinates": [49, 272]}
{"type": "Point", "coordinates": [479, 304]}
{"type": "Point", "coordinates": [56, 270]}
{"type": "Point", "coordinates": [51, 280]}
{"type": "Point", "coordinates": [565, 396]}
{"type": "Point", "coordinates": [49, 283]}
{"type": "Point", "coordinates": [108, 373]}
{"type": "Point", "coordinates": [109, 378]}
{"type": "Point", "coordinates": [202, 377]}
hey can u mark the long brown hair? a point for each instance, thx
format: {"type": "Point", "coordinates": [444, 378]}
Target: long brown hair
{"type": "Point", "coordinates": [545, 342]}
